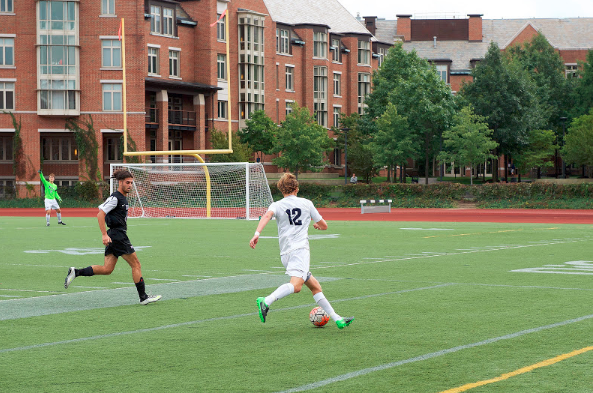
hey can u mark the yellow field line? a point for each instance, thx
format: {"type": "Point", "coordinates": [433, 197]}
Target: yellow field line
{"type": "Point", "coordinates": [519, 371]}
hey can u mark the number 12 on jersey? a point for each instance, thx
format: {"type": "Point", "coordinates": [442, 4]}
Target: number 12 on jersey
{"type": "Point", "coordinates": [294, 217]}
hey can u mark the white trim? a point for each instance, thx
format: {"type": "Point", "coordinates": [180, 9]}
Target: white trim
{"type": "Point", "coordinates": [285, 100]}
{"type": "Point", "coordinates": [110, 69]}
{"type": "Point", "coordinates": [109, 37]}
{"type": "Point", "coordinates": [111, 81]}
{"type": "Point", "coordinates": [337, 72]}
{"type": "Point", "coordinates": [111, 131]}
{"type": "Point", "coordinates": [571, 64]}
{"type": "Point", "coordinates": [109, 113]}
{"type": "Point", "coordinates": [175, 49]}
{"type": "Point", "coordinates": [7, 35]}
{"type": "Point", "coordinates": [337, 106]}
{"type": "Point", "coordinates": [178, 78]}
{"type": "Point", "coordinates": [153, 46]}
{"type": "Point", "coordinates": [277, 63]}
{"type": "Point", "coordinates": [290, 65]}
{"type": "Point", "coordinates": [54, 130]}
{"type": "Point", "coordinates": [163, 35]}
{"type": "Point", "coordinates": [7, 130]}
{"type": "Point", "coordinates": [8, 79]}
{"type": "Point", "coordinates": [277, 99]}
{"type": "Point", "coordinates": [107, 16]}
{"type": "Point", "coordinates": [9, 67]}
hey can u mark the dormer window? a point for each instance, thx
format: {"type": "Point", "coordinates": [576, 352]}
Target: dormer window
{"type": "Point", "coordinates": [162, 20]}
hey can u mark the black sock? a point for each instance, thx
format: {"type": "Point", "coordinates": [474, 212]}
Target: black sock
{"type": "Point", "coordinates": [141, 288]}
{"type": "Point", "coordinates": [87, 271]}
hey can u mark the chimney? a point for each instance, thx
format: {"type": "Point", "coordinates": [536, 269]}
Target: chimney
{"type": "Point", "coordinates": [475, 27]}
{"type": "Point", "coordinates": [404, 26]}
{"type": "Point", "coordinates": [370, 22]}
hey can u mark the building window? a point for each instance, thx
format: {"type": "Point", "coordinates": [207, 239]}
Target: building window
{"type": "Point", "coordinates": [6, 6]}
{"type": "Point", "coordinates": [336, 50]}
{"type": "Point", "coordinates": [155, 19]}
{"type": "Point", "coordinates": [337, 84]}
{"type": "Point", "coordinates": [222, 109]}
{"type": "Point", "coordinates": [111, 53]}
{"type": "Point", "coordinates": [112, 97]}
{"type": "Point", "coordinates": [221, 67]}
{"type": "Point", "coordinates": [364, 89]}
{"type": "Point", "coordinates": [168, 21]}
{"type": "Point", "coordinates": [7, 96]}
{"type": "Point", "coordinates": [337, 157]}
{"type": "Point", "coordinates": [108, 7]}
{"type": "Point", "coordinates": [571, 70]}
{"type": "Point", "coordinates": [220, 28]}
{"type": "Point", "coordinates": [442, 72]}
{"type": "Point", "coordinates": [153, 61]}
{"type": "Point", "coordinates": [251, 64]}
{"type": "Point", "coordinates": [6, 51]}
{"type": "Point", "coordinates": [289, 107]}
{"type": "Point", "coordinates": [337, 114]}
{"type": "Point", "coordinates": [6, 148]}
{"type": "Point", "coordinates": [174, 70]}
{"type": "Point", "coordinates": [113, 151]}
{"type": "Point", "coordinates": [320, 45]}
{"type": "Point", "coordinates": [282, 41]}
{"type": "Point", "coordinates": [320, 94]}
{"type": "Point", "coordinates": [364, 52]}
{"type": "Point", "coordinates": [289, 78]}
{"type": "Point", "coordinates": [59, 149]}
{"type": "Point", "coordinates": [382, 52]}
{"type": "Point", "coordinates": [58, 56]}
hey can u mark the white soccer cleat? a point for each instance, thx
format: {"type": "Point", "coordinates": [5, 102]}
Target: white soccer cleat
{"type": "Point", "coordinates": [151, 299]}
{"type": "Point", "coordinates": [70, 277]}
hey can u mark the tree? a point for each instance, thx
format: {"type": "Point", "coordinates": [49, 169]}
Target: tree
{"type": "Point", "coordinates": [361, 161]}
{"type": "Point", "coordinates": [578, 146]}
{"type": "Point", "coordinates": [412, 85]}
{"type": "Point", "coordinates": [540, 147]}
{"type": "Point", "coordinates": [393, 143]}
{"type": "Point", "coordinates": [241, 151]}
{"type": "Point", "coordinates": [505, 95]}
{"type": "Point", "coordinates": [469, 141]}
{"type": "Point", "coordinates": [301, 142]}
{"type": "Point", "coordinates": [259, 133]}
{"type": "Point", "coordinates": [583, 93]}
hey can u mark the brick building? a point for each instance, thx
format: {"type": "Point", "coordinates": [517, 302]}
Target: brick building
{"type": "Point", "coordinates": [309, 52]}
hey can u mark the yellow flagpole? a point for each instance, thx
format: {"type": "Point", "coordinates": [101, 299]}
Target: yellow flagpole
{"type": "Point", "coordinates": [123, 63]}
{"type": "Point", "coordinates": [228, 76]}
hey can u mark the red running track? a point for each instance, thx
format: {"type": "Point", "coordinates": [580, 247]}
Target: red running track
{"type": "Point", "coordinates": [353, 214]}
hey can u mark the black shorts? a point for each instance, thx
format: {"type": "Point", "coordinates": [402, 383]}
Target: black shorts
{"type": "Point", "coordinates": [120, 244]}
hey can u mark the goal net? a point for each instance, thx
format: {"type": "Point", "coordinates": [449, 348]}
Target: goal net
{"type": "Point", "coordinates": [197, 190]}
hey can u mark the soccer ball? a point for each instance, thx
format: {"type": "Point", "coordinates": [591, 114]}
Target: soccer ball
{"type": "Point", "coordinates": [318, 317]}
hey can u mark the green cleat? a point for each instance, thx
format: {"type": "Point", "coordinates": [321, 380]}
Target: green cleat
{"type": "Point", "coordinates": [342, 323]}
{"type": "Point", "coordinates": [262, 308]}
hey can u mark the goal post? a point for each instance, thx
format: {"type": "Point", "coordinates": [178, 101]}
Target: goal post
{"type": "Point", "coordinates": [197, 190]}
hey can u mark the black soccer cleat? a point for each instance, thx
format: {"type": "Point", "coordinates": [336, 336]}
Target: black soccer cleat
{"type": "Point", "coordinates": [262, 308]}
{"type": "Point", "coordinates": [61, 223]}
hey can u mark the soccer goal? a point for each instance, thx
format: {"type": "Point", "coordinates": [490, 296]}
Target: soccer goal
{"type": "Point", "coordinates": [197, 190]}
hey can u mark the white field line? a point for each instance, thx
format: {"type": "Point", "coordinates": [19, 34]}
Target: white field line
{"type": "Point", "coordinates": [432, 355]}
{"type": "Point", "coordinates": [163, 327]}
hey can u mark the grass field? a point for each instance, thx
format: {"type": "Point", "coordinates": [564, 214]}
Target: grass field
{"type": "Point", "coordinates": [437, 306]}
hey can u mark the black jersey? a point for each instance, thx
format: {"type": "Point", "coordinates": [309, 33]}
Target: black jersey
{"type": "Point", "coordinates": [116, 210]}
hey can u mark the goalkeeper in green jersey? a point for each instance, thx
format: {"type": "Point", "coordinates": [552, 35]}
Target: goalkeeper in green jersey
{"type": "Point", "coordinates": [51, 194]}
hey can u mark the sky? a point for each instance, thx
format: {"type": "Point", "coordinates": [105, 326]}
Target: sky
{"type": "Point", "coordinates": [498, 9]}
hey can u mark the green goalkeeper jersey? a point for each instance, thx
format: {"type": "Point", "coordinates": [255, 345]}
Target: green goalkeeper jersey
{"type": "Point", "coordinates": [51, 189]}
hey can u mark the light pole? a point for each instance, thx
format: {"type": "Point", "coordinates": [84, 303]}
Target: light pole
{"type": "Point", "coordinates": [563, 121]}
{"type": "Point", "coordinates": [345, 129]}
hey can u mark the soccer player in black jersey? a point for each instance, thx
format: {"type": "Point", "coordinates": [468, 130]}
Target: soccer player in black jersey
{"type": "Point", "coordinates": [114, 213]}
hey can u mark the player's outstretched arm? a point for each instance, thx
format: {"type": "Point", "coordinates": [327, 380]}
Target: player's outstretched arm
{"type": "Point", "coordinates": [260, 227]}
{"type": "Point", "coordinates": [321, 225]}
{"type": "Point", "coordinates": [103, 227]}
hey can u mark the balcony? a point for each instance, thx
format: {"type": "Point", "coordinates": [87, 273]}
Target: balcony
{"type": "Point", "coordinates": [182, 118]}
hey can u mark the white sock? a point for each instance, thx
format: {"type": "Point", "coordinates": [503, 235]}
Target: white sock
{"type": "Point", "coordinates": [324, 303]}
{"type": "Point", "coordinates": [59, 217]}
{"type": "Point", "coordinates": [282, 291]}
{"type": "Point", "coordinates": [47, 218]}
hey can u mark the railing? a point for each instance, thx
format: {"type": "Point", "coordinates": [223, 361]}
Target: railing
{"type": "Point", "coordinates": [186, 118]}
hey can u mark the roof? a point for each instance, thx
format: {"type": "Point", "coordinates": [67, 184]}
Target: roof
{"type": "Point", "coordinates": [563, 34]}
{"type": "Point", "coordinates": [315, 12]}
{"type": "Point", "coordinates": [180, 86]}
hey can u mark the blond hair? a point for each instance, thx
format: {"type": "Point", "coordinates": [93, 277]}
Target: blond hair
{"type": "Point", "coordinates": [287, 184]}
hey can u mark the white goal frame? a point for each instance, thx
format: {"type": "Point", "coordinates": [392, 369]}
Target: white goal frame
{"type": "Point", "coordinates": [248, 198]}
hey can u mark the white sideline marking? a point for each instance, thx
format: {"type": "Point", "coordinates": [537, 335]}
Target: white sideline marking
{"type": "Point", "coordinates": [427, 229]}
{"type": "Point", "coordinates": [75, 340]}
{"type": "Point", "coordinates": [431, 355]}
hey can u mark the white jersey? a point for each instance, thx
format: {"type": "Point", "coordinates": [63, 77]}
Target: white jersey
{"type": "Point", "coordinates": [293, 216]}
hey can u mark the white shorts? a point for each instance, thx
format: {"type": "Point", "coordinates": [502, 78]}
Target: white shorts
{"type": "Point", "coordinates": [297, 263]}
{"type": "Point", "coordinates": [51, 204]}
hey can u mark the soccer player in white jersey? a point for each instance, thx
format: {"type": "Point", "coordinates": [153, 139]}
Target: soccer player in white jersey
{"type": "Point", "coordinates": [293, 216]}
